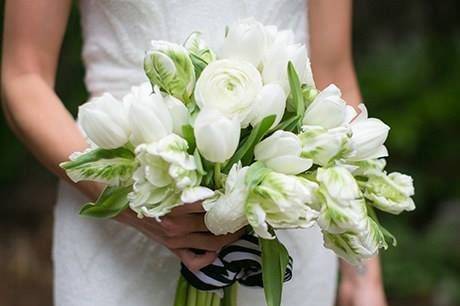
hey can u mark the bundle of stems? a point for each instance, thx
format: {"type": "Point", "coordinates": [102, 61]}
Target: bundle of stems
{"type": "Point", "coordinates": [187, 295]}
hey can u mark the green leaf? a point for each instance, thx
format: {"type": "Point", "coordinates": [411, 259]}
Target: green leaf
{"type": "Point", "coordinates": [112, 167]}
{"type": "Point", "coordinates": [189, 136]}
{"type": "Point", "coordinates": [110, 203]}
{"type": "Point", "coordinates": [275, 259]}
{"type": "Point", "coordinates": [296, 93]}
{"type": "Point", "coordinates": [245, 152]}
{"type": "Point", "coordinates": [198, 63]}
{"type": "Point", "coordinates": [287, 124]}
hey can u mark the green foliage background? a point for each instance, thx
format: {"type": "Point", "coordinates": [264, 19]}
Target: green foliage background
{"type": "Point", "coordinates": [407, 55]}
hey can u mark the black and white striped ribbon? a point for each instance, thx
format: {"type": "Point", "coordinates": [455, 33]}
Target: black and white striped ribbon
{"type": "Point", "coordinates": [238, 262]}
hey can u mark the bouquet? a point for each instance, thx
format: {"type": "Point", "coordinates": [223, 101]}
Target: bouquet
{"type": "Point", "coordinates": [243, 129]}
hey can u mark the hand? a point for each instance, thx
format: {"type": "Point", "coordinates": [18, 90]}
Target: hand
{"type": "Point", "coordinates": [361, 291]}
{"type": "Point", "coordinates": [181, 231]}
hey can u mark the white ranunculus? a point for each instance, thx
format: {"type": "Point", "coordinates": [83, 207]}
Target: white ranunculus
{"type": "Point", "coordinates": [169, 66]}
{"type": "Point", "coordinates": [391, 193]}
{"type": "Point", "coordinates": [148, 114]}
{"type": "Point", "coordinates": [354, 247]}
{"type": "Point", "coordinates": [343, 206]}
{"type": "Point", "coordinates": [104, 120]}
{"type": "Point", "coordinates": [245, 40]}
{"type": "Point", "coordinates": [281, 201]}
{"type": "Point", "coordinates": [278, 54]}
{"type": "Point", "coordinates": [281, 152]}
{"type": "Point", "coordinates": [271, 100]}
{"type": "Point", "coordinates": [226, 211]}
{"type": "Point", "coordinates": [179, 113]}
{"type": "Point", "coordinates": [167, 175]}
{"type": "Point", "coordinates": [328, 109]}
{"type": "Point", "coordinates": [368, 137]}
{"type": "Point", "coordinates": [324, 146]}
{"type": "Point", "coordinates": [229, 86]}
{"type": "Point", "coordinates": [216, 135]}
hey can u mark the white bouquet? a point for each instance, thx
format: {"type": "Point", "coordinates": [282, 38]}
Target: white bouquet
{"type": "Point", "coordinates": [243, 129]}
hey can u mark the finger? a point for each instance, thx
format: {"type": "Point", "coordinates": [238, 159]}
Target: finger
{"type": "Point", "coordinates": [187, 208]}
{"type": "Point", "coordinates": [202, 241]}
{"type": "Point", "coordinates": [193, 261]}
{"type": "Point", "coordinates": [181, 225]}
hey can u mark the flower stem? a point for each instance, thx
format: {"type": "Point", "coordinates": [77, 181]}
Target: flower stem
{"type": "Point", "coordinates": [230, 295]}
{"type": "Point", "coordinates": [201, 298]}
{"type": "Point", "coordinates": [181, 292]}
{"type": "Point", "coordinates": [191, 296]}
{"type": "Point", "coordinates": [215, 301]}
{"type": "Point", "coordinates": [217, 176]}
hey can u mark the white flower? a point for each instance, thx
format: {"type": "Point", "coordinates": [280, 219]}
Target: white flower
{"type": "Point", "coordinates": [197, 46]}
{"type": "Point", "coordinates": [169, 66]}
{"type": "Point", "coordinates": [229, 86]}
{"type": "Point", "coordinates": [368, 137]}
{"type": "Point", "coordinates": [166, 177]}
{"type": "Point", "coordinates": [324, 146]}
{"type": "Point", "coordinates": [271, 100]}
{"type": "Point", "coordinates": [328, 109]}
{"type": "Point", "coordinates": [245, 40]}
{"type": "Point", "coordinates": [354, 247]}
{"type": "Point", "coordinates": [391, 193]}
{"type": "Point", "coordinates": [104, 120]}
{"type": "Point", "coordinates": [282, 201]}
{"type": "Point", "coordinates": [343, 206]}
{"type": "Point", "coordinates": [281, 50]}
{"type": "Point", "coordinates": [149, 116]}
{"type": "Point", "coordinates": [281, 152]}
{"type": "Point", "coordinates": [216, 135]}
{"type": "Point", "coordinates": [226, 211]}
{"type": "Point", "coordinates": [179, 113]}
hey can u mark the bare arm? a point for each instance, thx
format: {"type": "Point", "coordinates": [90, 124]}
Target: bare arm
{"type": "Point", "coordinates": [31, 43]}
{"type": "Point", "coordinates": [332, 62]}
{"type": "Point", "coordinates": [33, 36]}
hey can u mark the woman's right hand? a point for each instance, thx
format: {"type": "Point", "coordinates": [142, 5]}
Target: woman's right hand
{"type": "Point", "coordinates": [181, 231]}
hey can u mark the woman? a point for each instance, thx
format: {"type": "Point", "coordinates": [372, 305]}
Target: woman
{"type": "Point", "coordinates": [107, 262]}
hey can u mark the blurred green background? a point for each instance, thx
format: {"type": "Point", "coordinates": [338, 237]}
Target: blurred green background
{"type": "Point", "coordinates": [407, 55]}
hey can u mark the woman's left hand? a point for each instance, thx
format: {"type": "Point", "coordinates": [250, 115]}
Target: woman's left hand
{"type": "Point", "coordinates": [354, 292]}
{"type": "Point", "coordinates": [361, 288]}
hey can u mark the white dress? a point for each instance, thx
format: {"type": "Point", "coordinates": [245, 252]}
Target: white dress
{"type": "Point", "coordinates": [104, 263]}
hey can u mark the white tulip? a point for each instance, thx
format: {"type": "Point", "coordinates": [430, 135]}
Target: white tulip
{"type": "Point", "coordinates": [225, 213]}
{"type": "Point", "coordinates": [179, 113]}
{"type": "Point", "coordinates": [354, 247]}
{"type": "Point", "coordinates": [245, 40]}
{"type": "Point", "coordinates": [276, 59]}
{"type": "Point", "coordinates": [281, 201]}
{"type": "Point", "coordinates": [197, 46]}
{"type": "Point", "coordinates": [324, 146]}
{"type": "Point", "coordinates": [105, 122]}
{"type": "Point", "coordinates": [281, 152]}
{"type": "Point", "coordinates": [217, 136]}
{"type": "Point", "coordinates": [229, 86]}
{"type": "Point", "coordinates": [167, 175]}
{"type": "Point", "coordinates": [328, 109]}
{"type": "Point", "coordinates": [368, 137]}
{"type": "Point", "coordinates": [390, 193]}
{"type": "Point", "coordinates": [169, 66]}
{"type": "Point", "coordinates": [271, 100]}
{"type": "Point", "coordinates": [148, 115]}
{"type": "Point", "coordinates": [343, 206]}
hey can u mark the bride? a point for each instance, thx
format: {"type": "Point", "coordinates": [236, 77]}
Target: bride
{"type": "Point", "coordinates": [131, 261]}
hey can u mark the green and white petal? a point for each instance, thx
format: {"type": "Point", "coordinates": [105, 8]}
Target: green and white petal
{"type": "Point", "coordinates": [390, 193]}
{"type": "Point", "coordinates": [113, 166]}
